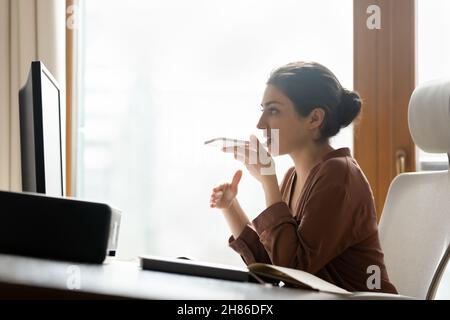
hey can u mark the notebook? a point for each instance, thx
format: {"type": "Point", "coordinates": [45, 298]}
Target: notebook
{"type": "Point", "coordinates": [256, 272]}
{"type": "Point", "coordinates": [196, 268]}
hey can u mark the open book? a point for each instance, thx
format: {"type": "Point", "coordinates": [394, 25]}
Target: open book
{"type": "Point", "coordinates": [294, 277]}
{"type": "Point", "coordinates": [256, 272]}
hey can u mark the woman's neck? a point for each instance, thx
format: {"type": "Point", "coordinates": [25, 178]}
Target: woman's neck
{"type": "Point", "coordinates": [308, 157]}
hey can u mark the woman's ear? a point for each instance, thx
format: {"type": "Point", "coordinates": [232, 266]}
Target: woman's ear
{"type": "Point", "coordinates": [316, 118]}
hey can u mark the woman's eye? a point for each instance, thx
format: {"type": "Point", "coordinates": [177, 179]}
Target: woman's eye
{"type": "Point", "coordinates": [271, 111]}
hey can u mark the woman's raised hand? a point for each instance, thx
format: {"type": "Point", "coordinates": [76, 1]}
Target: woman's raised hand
{"type": "Point", "coordinates": [256, 159]}
{"type": "Point", "coordinates": [223, 196]}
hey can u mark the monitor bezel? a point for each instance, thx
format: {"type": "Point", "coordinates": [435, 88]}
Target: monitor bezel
{"type": "Point", "coordinates": [38, 70]}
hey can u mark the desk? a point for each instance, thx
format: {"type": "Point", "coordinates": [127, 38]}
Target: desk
{"type": "Point", "coordinates": [23, 277]}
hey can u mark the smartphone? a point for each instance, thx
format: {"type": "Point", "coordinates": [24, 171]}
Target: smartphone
{"type": "Point", "coordinates": [226, 142]}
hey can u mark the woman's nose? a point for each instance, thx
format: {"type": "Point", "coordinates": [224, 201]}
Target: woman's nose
{"type": "Point", "coordinates": [261, 123]}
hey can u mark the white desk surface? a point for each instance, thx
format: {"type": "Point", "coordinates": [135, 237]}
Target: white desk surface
{"type": "Point", "coordinates": [127, 280]}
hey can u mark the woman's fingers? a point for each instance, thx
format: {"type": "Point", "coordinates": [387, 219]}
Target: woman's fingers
{"type": "Point", "coordinates": [255, 141]}
{"type": "Point", "coordinates": [240, 153]}
{"type": "Point", "coordinates": [253, 154]}
{"type": "Point", "coordinates": [216, 197]}
{"type": "Point", "coordinates": [219, 188]}
{"type": "Point", "coordinates": [240, 149]}
{"type": "Point", "coordinates": [250, 156]}
{"type": "Point", "coordinates": [219, 191]}
{"type": "Point", "coordinates": [236, 178]}
{"type": "Point", "coordinates": [219, 195]}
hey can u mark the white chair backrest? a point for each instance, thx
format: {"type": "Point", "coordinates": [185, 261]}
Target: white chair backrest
{"type": "Point", "coordinates": [415, 223]}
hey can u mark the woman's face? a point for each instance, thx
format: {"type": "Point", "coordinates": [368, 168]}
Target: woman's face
{"type": "Point", "coordinates": [294, 131]}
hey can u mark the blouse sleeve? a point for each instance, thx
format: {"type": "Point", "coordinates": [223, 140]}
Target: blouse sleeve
{"type": "Point", "coordinates": [324, 231]}
{"type": "Point", "coordinates": [248, 244]}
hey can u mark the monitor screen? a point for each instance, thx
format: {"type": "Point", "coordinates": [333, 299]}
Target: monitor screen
{"type": "Point", "coordinates": [52, 136]}
{"type": "Point", "coordinates": [40, 133]}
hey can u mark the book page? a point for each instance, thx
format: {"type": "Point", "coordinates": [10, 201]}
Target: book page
{"type": "Point", "coordinates": [296, 277]}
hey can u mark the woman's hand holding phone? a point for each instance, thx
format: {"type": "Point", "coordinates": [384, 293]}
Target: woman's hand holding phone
{"type": "Point", "coordinates": [224, 196]}
{"type": "Point", "coordinates": [261, 166]}
{"type": "Point", "coordinates": [256, 159]}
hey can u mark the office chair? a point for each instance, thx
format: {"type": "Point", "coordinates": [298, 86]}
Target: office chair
{"type": "Point", "coordinates": [415, 224]}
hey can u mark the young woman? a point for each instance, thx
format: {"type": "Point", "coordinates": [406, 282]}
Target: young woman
{"type": "Point", "coordinates": [322, 218]}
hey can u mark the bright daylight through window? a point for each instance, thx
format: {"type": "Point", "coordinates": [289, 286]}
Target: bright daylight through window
{"type": "Point", "coordinates": [162, 78]}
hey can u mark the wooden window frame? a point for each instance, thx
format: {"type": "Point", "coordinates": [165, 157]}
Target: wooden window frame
{"type": "Point", "coordinates": [385, 77]}
{"type": "Point", "coordinates": [69, 99]}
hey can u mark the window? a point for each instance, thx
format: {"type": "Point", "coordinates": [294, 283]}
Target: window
{"type": "Point", "coordinates": [158, 78]}
{"type": "Point", "coordinates": [433, 60]}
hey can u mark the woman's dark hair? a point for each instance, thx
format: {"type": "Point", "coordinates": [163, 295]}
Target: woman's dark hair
{"type": "Point", "coordinates": [310, 85]}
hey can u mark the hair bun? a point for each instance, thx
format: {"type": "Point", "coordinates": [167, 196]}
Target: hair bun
{"type": "Point", "coordinates": [349, 107]}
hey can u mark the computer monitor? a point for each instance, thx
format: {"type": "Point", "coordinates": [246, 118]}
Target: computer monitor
{"type": "Point", "coordinates": [40, 133]}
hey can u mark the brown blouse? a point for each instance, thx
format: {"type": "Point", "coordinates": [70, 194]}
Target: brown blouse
{"type": "Point", "coordinates": [333, 232]}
